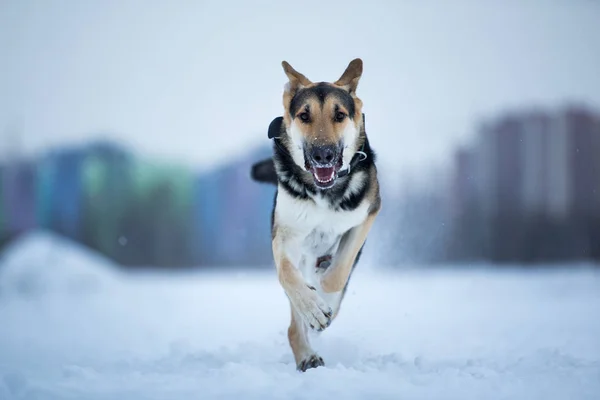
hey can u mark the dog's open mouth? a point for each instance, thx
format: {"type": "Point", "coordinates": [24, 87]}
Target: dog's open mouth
{"type": "Point", "coordinates": [325, 176]}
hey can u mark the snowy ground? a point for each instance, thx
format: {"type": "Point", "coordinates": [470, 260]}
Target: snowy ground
{"type": "Point", "coordinates": [71, 327]}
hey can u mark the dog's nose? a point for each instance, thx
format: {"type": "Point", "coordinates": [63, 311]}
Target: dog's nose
{"type": "Point", "coordinates": [323, 155]}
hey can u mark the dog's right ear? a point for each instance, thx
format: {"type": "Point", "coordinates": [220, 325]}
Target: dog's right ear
{"type": "Point", "coordinates": [275, 127]}
{"type": "Point", "coordinates": [296, 79]}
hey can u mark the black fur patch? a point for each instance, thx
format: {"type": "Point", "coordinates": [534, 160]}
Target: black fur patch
{"type": "Point", "coordinates": [353, 200]}
{"type": "Point", "coordinates": [290, 176]}
{"type": "Point", "coordinates": [321, 91]}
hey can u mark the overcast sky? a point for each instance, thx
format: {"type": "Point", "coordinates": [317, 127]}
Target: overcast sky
{"type": "Point", "coordinates": [199, 82]}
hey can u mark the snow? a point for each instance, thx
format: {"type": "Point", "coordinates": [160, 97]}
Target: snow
{"type": "Point", "coordinates": [41, 262]}
{"type": "Point", "coordinates": [466, 333]}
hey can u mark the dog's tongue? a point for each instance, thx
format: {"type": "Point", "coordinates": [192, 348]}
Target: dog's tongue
{"type": "Point", "coordinates": [324, 174]}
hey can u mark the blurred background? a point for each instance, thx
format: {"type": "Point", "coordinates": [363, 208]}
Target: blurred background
{"type": "Point", "coordinates": [135, 255]}
{"type": "Point", "coordinates": [129, 127]}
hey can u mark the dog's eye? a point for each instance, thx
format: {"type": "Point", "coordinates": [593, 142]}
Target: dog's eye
{"type": "Point", "coordinates": [339, 116]}
{"type": "Point", "coordinates": [304, 116]}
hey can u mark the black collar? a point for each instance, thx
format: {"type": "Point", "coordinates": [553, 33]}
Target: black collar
{"type": "Point", "coordinates": [358, 157]}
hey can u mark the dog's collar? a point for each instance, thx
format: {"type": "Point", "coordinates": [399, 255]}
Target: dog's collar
{"type": "Point", "coordinates": [358, 157]}
{"type": "Point", "coordinates": [275, 130]}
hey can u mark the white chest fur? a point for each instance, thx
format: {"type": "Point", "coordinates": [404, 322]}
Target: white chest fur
{"type": "Point", "coordinates": [312, 229]}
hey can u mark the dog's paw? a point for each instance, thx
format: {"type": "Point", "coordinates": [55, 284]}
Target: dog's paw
{"type": "Point", "coordinates": [314, 310]}
{"type": "Point", "coordinates": [312, 361]}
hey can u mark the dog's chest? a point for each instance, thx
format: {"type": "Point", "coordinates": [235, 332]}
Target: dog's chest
{"type": "Point", "coordinates": [315, 221]}
{"type": "Point", "coordinates": [314, 229]}
{"type": "Point", "coordinates": [321, 241]}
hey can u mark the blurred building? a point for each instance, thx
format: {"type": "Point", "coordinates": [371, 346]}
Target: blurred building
{"type": "Point", "coordinates": [18, 197]}
{"type": "Point", "coordinates": [464, 181]}
{"type": "Point", "coordinates": [59, 191]}
{"type": "Point", "coordinates": [234, 213]}
{"type": "Point", "coordinates": [140, 212]}
{"type": "Point", "coordinates": [583, 160]}
{"type": "Point", "coordinates": [531, 178]}
{"type": "Point", "coordinates": [536, 162]}
{"type": "Point", "coordinates": [532, 162]}
{"type": "Point", "coordinates": [499, 164]}
{"type": "Point", "coordinates": [2, 211]}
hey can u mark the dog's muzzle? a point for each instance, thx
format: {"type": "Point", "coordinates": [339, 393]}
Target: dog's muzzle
{"type": "Point", "coordinates": [324, 162]}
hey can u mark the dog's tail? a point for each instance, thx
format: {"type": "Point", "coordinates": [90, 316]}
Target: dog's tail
{"type": "Point", "coordinates": [264, 171]}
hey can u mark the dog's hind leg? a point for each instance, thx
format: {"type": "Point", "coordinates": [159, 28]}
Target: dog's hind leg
{"type": "Point", "coordinates": [304, 355]}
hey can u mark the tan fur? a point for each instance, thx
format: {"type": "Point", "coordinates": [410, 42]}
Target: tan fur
{"type": "Point", "coordinates": [296, 81]}
{"type": "Point", "coordinates": [336, 277]}
{"type": "Point", "coordinates": [322, 129]}
{"type": "Point", "coordinates": [289, 277]}
{"type": "Point", "coordinates": [298, 337]}
{"type": "Point", "coordinates": [351, 76]}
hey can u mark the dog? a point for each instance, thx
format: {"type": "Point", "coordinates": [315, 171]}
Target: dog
{"type": "Point", "coordinates": [326, 201]}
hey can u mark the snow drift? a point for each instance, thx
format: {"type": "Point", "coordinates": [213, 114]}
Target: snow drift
{"type": "Point", "coordinates": [41, 261]}
{"type": "Point", "coordinates": [444, 334]}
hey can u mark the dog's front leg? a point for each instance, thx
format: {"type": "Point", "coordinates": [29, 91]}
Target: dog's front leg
{"type": "Point", "coordinates": [313, 310]}
{"type": "Point", "coordinates": [307, 308]}
{"type": "Point", "coordinates": [335, 278]}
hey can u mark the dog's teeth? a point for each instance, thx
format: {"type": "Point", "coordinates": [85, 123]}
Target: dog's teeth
{"type": "Point", "coordinates": [324, 180]}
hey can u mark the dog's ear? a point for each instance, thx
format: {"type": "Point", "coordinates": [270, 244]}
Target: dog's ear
{"type": "Point", "coordinates": [296, 79]}
{"type": "Point", "coordinates": [351, 76]}
{"type": "Point", "coordinates": [275, 127]}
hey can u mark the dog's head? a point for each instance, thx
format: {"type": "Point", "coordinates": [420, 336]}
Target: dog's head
{"type": "Point", "coordinates": [323, 122]}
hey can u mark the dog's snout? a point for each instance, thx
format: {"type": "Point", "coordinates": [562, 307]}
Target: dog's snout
{"type": "Point", "coordinates": [323, 155]}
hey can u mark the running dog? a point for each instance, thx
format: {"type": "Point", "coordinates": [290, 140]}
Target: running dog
{"type": "Point", "coordinates": [326, 201]}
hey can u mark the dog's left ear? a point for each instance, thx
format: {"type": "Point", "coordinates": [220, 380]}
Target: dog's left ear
{"type": "Point", "coordinates": [275, 127]}
{"type": "Point", "coordinates": [351, 76]}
